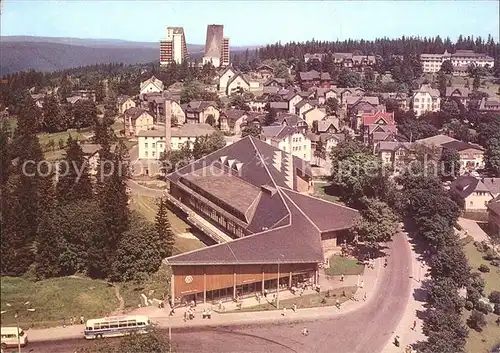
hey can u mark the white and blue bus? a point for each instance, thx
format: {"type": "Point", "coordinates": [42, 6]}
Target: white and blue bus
{"type": "Point", "coordinates": [116, 326]}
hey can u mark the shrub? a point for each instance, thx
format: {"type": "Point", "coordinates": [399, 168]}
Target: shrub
{"type": "Point", "coordinates": [476, 320]}
{"type": "Point", "coordinates": [479, 246]}
{"type": "Point", "coordinates": [483, 308]}
{"type": "Point", "coordinates": [469, 305]}
{"type": "Point", "coordinates": [495, 263]}
{"type": "Point", "coordinates": [497, 309]}
{"type": "Point", "coordinates": [490, 254]}
{"type": "Point", "coordinates": [494, 297]}
{"type": "Point", "coordinates": [483, 268]}
{"type": "Point", "coordinates": [473, 295]}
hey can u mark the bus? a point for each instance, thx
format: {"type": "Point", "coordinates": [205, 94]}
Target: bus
{"type": "Point", "coordinates": [12, 336]}
{"type": "Point", "coordinates": [116, 326]}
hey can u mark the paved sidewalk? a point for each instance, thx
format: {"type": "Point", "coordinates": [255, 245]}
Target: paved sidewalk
{"type": "Point", "coordinates": [162, 318]}
{"type": "Point", "coordinates": [470, 227]}
{"type": "Point", "coordinates": [416, 301]}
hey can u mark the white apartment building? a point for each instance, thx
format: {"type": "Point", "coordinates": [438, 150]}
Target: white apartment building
{"type": "Point", "coordinates": [151, 143]}
{"type": "Point", "coordinates": [461, 58]}
{"type": "Point", "coordinates": [426, 99]}
{"type": "Point", "coordinates": [174, 48]}
{"type": "Point", "coordinates": [288, 139]}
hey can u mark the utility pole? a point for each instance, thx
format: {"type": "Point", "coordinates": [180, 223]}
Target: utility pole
{"type": "Point", "coordinates": [17, 317]}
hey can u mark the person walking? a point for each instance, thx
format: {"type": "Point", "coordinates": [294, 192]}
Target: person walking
{"type": "Point", "coordinates": [414, 325]}
{"type": "Point", "coordinates": [265, 293]}
{"type": "Point", "coordinates": [342, 278]}
{"type": "Point", "coordinates": [396, 341]}
{"type": "Point", "coordinates": [364, 297]}
{"type": "Point", "coordinates": [284, 312]}
{"type": "Point", "coordinates": [82, 320]}
{"type": "Point", "coordinates": [71, 320]}
{"type": "Point", "coordinates": [294, 308]}
{"type": "Point", "coordinates": [362, 284]}
{"type": "Point", "coordinates": [337, 303]}
{"type": "Point", "coordinates": [305, 332]}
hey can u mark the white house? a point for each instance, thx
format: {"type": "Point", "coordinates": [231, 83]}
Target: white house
{"type": "Point", "coordinates": [151, 85]}
{"type": "Point", "coordinates": [293, 100]}
{"type": "Point", "coordinates": [237, 83]}
{"type": "Point", "coordinates": [136, 120]}
{"type": "Point", "coordinates": [224, 78]}
{"type": "Point", "coordinates": [124, 103]}
{"type": "Point", "coordinates": [426, 99]}
{"type": "Point", "coordinates": [288, 139]}
{"type": "Point", "coordinates": [152, 143]}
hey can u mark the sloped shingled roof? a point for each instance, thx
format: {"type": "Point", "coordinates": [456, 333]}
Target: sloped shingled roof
{"type": "Point", "coordinates": [284, 222]}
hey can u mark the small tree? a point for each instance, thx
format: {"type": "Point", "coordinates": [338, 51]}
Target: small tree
{"type": "Point", "coordinates": [210, 120]}
{"type": "Point", "coordinates": [250, 129]}
{"type": "Point", "coordinates": [476, 320]}
{"type": "Point", "coordinates": [332, 105]}
{"type": "Point", "coordinates": [450, 164]}
{"type": "Point", "coordinates": [164, 230]}
{"type": "Point", "coordinates": [476, 82]}
{"type": "Point", "coordinates": [447, 67]}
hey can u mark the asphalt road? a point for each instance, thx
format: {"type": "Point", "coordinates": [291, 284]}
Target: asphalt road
{"type": "Point", "coordinates": [365, 330]}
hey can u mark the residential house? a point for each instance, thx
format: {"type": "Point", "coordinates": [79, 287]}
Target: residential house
{"type": "Point", "coordinates": [362, 63]}
{"type": "Point", "coordinates": [329, 125]}
{"type": "Point", "coordinates": [279, 106]}
{"type": "Point", "coordinates": [292, 120]}
{"type": "Point", "coordinates": [314, 114]}
{"type": "Point", "coordinates": [264, 71]}
{"type": "Point", "coordinates": [152, 143]}
{"type": "Point", "coordinates": [489, 105]}
{"type": "Point", "coordinates": [323, 94]}
{"type": "Point", "coordinates": [314, 78]}
{"type": "Point", "coordinates": [266, 90]}
{"type": "Point", "coordinates": [197, 112]}
{"type": "Point", "coordinates": [231, 120]}
{"type": "Point", "coordinates": [288, 139]}
{"type": "Point", "coordinates": [470, 193]}
{"type": "Point", "coordinates": [348, 92]}
{"type": "Point", "coordinates": [124, 103]}
{"type": "Point", "coordinates": [304, 105]}
{"type": "Point", "coordinates": [293, 99]}
{"type": "Point", "coordinates": [494, 216]}
{"type": "Point", "coordinates": [237, 84]}
{"type": "Point", "coordinates": [223, 78]}
{"type": "Point", "coordinates": [39, 99]}
{"type": "Point", "coordinates": [426, 99]}
{"type": "Point", "coordinates": [257, 104]}
{"type": "Point", "coordinates": [394, 153]}
{"type": "Point", "coordinates": [314, 57]}
{"type": "Point", "coordinates": [137, 119]}
{"type": "Point", "coordinates": [91, 154]}
{"type": "Point", "coordinates": [377, 122]}
{"type": "Point", "coordinates": [84, 94]}
{"type": "Point", "coordinates": [151, 85]}
{"type": "Point", "coordinates": [254, 118]}
{"type": "Point", "coordinates": [275, 82]}
{"type": "Point", "coordinates": [471, 155]}
{"type": "Point", "coordinates": [401, 98]}
{"type": "Point", "coordinates": [155, 104]}
{"type": "Point", "coordinates": [461, 94]}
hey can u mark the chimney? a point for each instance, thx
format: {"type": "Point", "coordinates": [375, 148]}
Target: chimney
{"type": "Point", "coordinates": [168, 122]}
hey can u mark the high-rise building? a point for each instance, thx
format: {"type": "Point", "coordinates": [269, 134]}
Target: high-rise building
{"type": "Point", "coordinates": [173, 48]}
{"type": "Point", "coordinates": [216, 46]}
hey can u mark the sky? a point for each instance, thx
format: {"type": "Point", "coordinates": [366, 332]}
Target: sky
{"type": "Point", "coordinates": [250, 22]}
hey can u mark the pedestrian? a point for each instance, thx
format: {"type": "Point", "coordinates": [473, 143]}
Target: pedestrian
{"type": "Point", "coordinates": [342, 278]}
{"type": "Point", "coordinates": [185, 316]}
{"type": "Point", "coordinates": [64, 322]}
{"type": "Point", "coordinates": [364, 297]}
{"type": "Point", "coordinates": [305, 332]}
{"type": "Point", "coordinates": [294, 308]}
{"type": "Point", "coordinates": [71, 320]}
{"type": "Point", "coordinates": [74, 320]}
{"type": "Point", "coordinates": [362, 284]}
{"type": "Point", "coordinates": [337, 303]}
{"type": "Point", "coordinates": [265, 293]}
{"type": "Point", "coordinates": [220, 305]}
{"type": "Point", "coordinates": [81, 319]}
{"type": "Point", "coordinates": [396, 341]}
{"type": "Point", "coordinates": [414, 325]}
{"type": "Point", "coordinates": [385, 262]}
{"type": "Point", "coordinates": [284, 311]}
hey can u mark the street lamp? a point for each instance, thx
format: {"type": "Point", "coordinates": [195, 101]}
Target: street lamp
{"type": "Point", "coordinates": [278, 293]}
{"type": "Point", "coordinates": [17, 317]}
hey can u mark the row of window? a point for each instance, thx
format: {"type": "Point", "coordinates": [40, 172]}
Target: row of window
{"type": "Point", "coordinates": [416, 100]}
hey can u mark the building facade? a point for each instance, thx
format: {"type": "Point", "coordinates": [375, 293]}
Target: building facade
{"type": "Point", "coordinates": [461, 58]}
{"type": "Point", "coordinates": [217, 49]}
{"type": "Point", "coordinates": [173, 48]}
{"type": "Point", "coordinates": [426, 99]}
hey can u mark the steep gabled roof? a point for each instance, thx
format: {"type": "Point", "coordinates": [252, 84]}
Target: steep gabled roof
{"type": "Point", "coordinates": [233, 78]}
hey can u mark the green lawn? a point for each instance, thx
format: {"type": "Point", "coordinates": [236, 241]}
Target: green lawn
{"type": "Point", "coordinates": [306, 301]}
{"type": "Point", "coordinates": [56, 136]}
{"type": "Point", "coordinates": [342, 265]}
{"type": "Point", "coordinates": [55, 299]}
{"type": "Point", "coordinates": [479, 342]}
{"type": "Point", "coordinates": [11, 123]}
{"type": "Point", "coordinates": [325, 192]}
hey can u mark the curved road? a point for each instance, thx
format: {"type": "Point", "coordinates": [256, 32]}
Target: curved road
{"type": "Point", "coordinates": [366, 330]}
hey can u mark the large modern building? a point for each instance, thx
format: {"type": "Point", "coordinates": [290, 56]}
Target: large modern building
{"type": "Point", "coordinates": [251, 198]}
{"type": "Point", "coordinates": [173, 48]}
{"type": "Point", "coordinates": [459, 59]}
{"type": "Point", "coordinates": [216, 46]}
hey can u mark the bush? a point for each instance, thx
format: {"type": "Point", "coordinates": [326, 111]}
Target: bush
{"type": "Point", "coordinates": [494, 297]}
{"type": "Point", "coordinates": [490, 254]}
{"type": "Point", "coordinates": [473, 295]}
{"type": "Point", "coordinates": [479, 246]}
{"type": "Point", "coordinates": [483, 308]}
{"type": "Point", "coordinates": [476, 320]}
{"type": "Point", "coordinates": [497, 309]}
{"type": "Point", "coordinates": [495, 263]}
{"type": "Point", "coordinates": [469, 305]}
{"type": "Point", "coordinates": [484, 268]}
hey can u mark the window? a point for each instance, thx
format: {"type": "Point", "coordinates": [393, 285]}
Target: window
{"type": "Point", "coordinates": [153, 145]}
{"type": "Point", "coordinates": [146, 153]}
{"type": "Point", "coordinates": [146, 145]}
{"type": "Point", "coordinates": [153, 153]}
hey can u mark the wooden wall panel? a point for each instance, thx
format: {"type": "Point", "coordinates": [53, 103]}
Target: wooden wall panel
{"type": "Point", "coordinates": [180, 285]}
{"type": "Point", "coordinates": [219, 277]}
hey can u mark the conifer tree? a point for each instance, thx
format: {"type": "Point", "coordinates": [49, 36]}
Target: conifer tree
{"type": "Point", "coordinates": [48, 234]}
{"type": "Point", "coordinates": [164, 230]}
{"type": "Point", "coordinates": [74, 181]}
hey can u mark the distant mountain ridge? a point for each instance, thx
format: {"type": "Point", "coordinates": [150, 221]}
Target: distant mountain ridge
{"type": "Point", "coordinates": [19, 53]}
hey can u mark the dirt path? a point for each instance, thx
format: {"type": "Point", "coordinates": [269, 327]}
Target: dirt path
{"type": "Point", "coordinates": [119, 310]}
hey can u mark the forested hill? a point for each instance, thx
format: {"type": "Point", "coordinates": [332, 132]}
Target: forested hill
{"type": "Point", "coordinates": [384, 47]}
